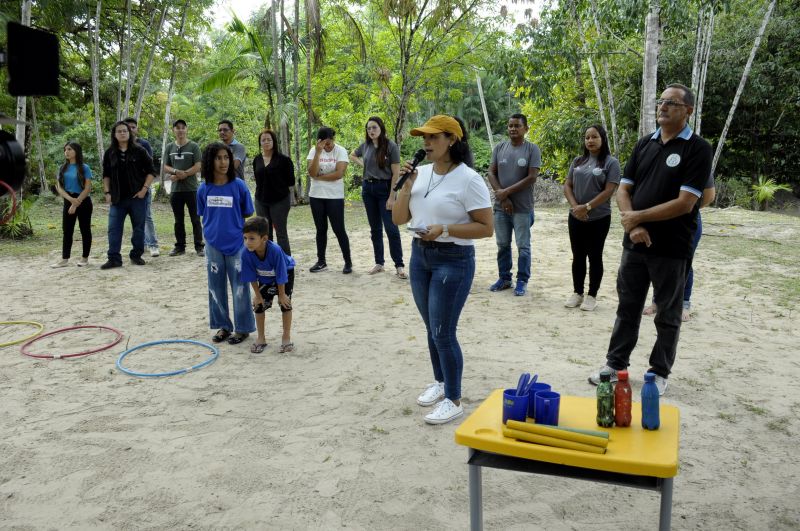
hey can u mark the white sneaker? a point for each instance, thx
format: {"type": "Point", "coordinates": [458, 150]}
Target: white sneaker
{"type": "Point", "coordinates": [594, 378]}
{"type": "Point", "coordinates": [83, 262]}
{"type": "Point", "coordinates": [589, 304]}
{"type": "Point", "coordinates": [661, 383]}
{"type": "Point", "coordinates": [154, 251]}
{"type": "Point", "coordinates": [61, 263]}
{"type": "Point", "coordinates": [574, 301]}
{"type": "Point", "coordinates": [432, 394]}
{"type": "Point", "coordinates": [444, 412]}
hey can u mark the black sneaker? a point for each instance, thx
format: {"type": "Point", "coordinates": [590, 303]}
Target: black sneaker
{"type": "Point", "coordinates": [348, 268]}
{"type": "Point", "coordinates": [200, 252]}
{"type": "Point", "coordinates": [176, 252]}
{"type": "Point", "coordinates": [110, 264]}
{"type": "Point", "coordinates": [318, 267]}
{"type": "Point", "coordinates": [137, 260]}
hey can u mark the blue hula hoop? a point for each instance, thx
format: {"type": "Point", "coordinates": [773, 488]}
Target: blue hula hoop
{"type": "Point", "coordinates": [209, 361]}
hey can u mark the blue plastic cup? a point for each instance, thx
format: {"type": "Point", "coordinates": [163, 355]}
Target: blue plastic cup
{"type": "Point", "coordinates": [535, 388]}
{"type": "Point", "coordinates": [514, 407]}
{"type": "Point", "coordinates": [547, 406]}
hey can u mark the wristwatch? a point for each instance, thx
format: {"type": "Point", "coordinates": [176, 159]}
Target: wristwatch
{"type": "Point", "coordinates": [588, 207]}
{"type": "Point", "coordinates": [445, 232]}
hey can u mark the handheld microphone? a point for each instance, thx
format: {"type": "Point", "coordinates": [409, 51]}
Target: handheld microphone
{"type": "Point", "coordinates": [418, 157]}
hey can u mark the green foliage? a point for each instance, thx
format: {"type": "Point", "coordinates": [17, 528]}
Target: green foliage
{"type": "Point", "coordinates": [766, 188]}
{"type": "Point", "coordinates": [19, 227]}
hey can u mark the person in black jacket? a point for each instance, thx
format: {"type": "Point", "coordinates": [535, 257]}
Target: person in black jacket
{"type": "Point", "coordinates": [127, 174]}
{"type": "Point", "coordinates": [274, 175]}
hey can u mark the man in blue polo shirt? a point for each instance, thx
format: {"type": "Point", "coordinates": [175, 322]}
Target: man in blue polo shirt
{"type": "Point", "coordinates": [658, 197]}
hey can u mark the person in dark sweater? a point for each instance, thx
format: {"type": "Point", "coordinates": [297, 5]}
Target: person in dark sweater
{"type": "Point", "coordinates": [274, 176]}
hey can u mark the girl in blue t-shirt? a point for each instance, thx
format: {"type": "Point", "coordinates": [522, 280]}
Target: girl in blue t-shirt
{"type": "Point", "coordinates": [223, 201]}
{"type": "Point", "coordinates": [74, 184]}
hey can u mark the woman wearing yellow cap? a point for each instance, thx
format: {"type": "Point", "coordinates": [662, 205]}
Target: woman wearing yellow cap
{"type": "Point", "coordinates": [446, 204]}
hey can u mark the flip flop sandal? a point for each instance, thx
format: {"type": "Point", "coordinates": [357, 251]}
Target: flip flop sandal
{"type": "Point", "coordinates": [257, 348]}
{"type": "Point", "coordinates": [286, 347]}
{"type": "Point", "coordinates": [235, 339]}
{"type": "Point", "coordinates": [221, 336]}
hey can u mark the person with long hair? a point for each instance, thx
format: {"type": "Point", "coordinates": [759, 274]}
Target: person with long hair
{"type": "Point", "coordinates": [327, 164]}
{"type": "Point", "coordinates": [447, 205]}
{"type": "Point", "coordinates": [223, 201]}
{"type": "Point", "coordinates": [380, 158]}
{"type": "Point", "coordinates": [274, 176]}
{"type": "Point", "coordinates": [591, 181]}
{"type": "Point", "coordinates": [74, 184]}
{"type": "Point", "coordinates": [127, 174]}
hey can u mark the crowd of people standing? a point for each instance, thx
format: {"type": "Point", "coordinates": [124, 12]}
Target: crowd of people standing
{"type": "Point", "coordinates": [446, 205]}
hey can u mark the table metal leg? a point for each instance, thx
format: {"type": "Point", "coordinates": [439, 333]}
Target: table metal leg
{"type": "Point", "coordinates": [476, 496]}
{"type": "Point", "coordinates": [665, 515]}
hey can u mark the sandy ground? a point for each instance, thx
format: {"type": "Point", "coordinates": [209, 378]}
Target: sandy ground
{"type": "Point", "coordinates": [330, 436]}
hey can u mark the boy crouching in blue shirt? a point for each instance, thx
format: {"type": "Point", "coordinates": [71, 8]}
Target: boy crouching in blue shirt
{"type": "Point", "coordinates": [270, 272]}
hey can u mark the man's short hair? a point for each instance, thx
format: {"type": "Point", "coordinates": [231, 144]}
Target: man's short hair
{"type": "Point", "coordinates": [179, 121]}
{"type": "Point", "coordinates": [130, 120]}
{"type": "Point", "coordinates": [256, 224]}
{"type": "Point", "coordinates": [226, 122]}
{"type": "Point", "coordinates": [521, 117]}
{"type": "Point", "coordinates": [688, 95]}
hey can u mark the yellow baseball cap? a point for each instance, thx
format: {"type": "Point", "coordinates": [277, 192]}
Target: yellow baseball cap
{"type": "Point", "coordinates": [441, 123]}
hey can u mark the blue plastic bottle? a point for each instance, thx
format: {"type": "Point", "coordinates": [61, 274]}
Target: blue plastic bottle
{"type": "Point", "coordinates": [650, 418]}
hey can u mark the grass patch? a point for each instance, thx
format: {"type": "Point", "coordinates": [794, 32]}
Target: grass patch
{"type": "Point", "coordinates": [727, 417]}
{"type": "Point", "coordinates": [576, 361]}
{"type": "Point", "coordinates": [780, 424]}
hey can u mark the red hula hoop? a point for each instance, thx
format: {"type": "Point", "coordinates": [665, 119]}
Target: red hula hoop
{"type": "Point", "coordinates": [24, 347]}
{"type": "Point", "coordinates": [13, 203]}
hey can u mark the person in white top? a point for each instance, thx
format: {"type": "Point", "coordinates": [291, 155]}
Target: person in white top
{"type": "Point", "coordinates": [446, 204]}
{"type": "Point", "coordinates": [327, 164]}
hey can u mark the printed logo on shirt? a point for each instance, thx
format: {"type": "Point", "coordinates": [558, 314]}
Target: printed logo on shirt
{"type": "Point", "coordinates": [221, 201]}
{"type": "Point", "coordinates": [673, 160]}
{"type": "Point", "coordinates": [503, 161]}
{"type": "Point", "coordinates": [597, 171]}
{"type": "Point", "coordinates": [522, 162]}
{"type": "Point", "coordinates": [265, 272]}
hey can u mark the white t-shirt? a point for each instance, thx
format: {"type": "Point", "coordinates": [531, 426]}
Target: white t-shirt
{"type": "Point", "coordinates": [449, 200]}
{"type": "Point", "coordinates": [327, 164]}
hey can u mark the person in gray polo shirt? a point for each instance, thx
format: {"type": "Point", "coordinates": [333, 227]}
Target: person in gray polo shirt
{"type": "Point", "coordinates": [226, 134]}
{"type": "Point", "coordinates": [513, 170]}
{"type": "Point", "coordinates": [182, 162]}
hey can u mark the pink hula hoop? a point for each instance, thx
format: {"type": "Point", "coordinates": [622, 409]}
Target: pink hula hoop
{"type": "Point", "coordinates": [24, 347]}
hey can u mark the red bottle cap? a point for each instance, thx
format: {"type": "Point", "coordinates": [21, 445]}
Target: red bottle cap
{"type": "Point", "coordinates": [622, 376]}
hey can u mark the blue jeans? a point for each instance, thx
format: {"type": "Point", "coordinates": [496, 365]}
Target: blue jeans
{"type": "Point", "coordinates": [687, 290]}
{"type": "Point", "coordinates": [150, 237]}
{"type": "Point", "coordinates": [521, 224]}
{"type": "Point", "coordinates": [440, 281]}
{"type": "Point", "coordinates": [222, 270]}
{"type": "Point", "coordinates": [374, 195]}
{"type": "Point", "coordinates": [135, 208]}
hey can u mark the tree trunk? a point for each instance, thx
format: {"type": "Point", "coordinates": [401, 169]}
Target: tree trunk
{"type": "Point", "coordinates": [40, 156]}
{"type": "Point", "coordinates": [146, 76]}
{"type": "Point", "coordinates": [22, 101]}
{"type": "Point", "coordinates": [127, 46]}
{"type": "Point", "coordinates": [592, 71]}
{"type": "Point", "coordinates": [296, 112]}
{"type": "Point", "coordinates": [702, 57]}
{"type": "Point", "coordinates": [170, 93]}
{"type": "Point", "coordinates": [647, 115]}
{"type": "Point", "coordinates": [276, 73]}
{"type": "Point", "coordinates": [609, 87]}
{"type": "Point", "coordinates": [95, 64]}
{"type": "Point", "coordinates": [309, 114]}
{"type": "Point", "coordinates": [742, 83]}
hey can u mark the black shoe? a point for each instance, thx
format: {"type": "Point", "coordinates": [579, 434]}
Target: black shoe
{"type": "Point", "coordinates": [176, 252]}
{"type": "Point", "coordinates": [348, 268]}
{"type": "Point", "coordinates": [137, 260]}
{"type": "Point", "coordinates": [318, 267]}
{"type": "Point", "coordinates": [200, 252]}
{"type": "Point", "coordinates": [110, 264]}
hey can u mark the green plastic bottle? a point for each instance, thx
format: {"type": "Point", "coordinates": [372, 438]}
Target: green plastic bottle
{"type": "Point", "coordinates": [605, 401]}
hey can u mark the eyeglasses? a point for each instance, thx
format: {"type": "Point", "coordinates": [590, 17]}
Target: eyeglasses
{"type": "Point", "coordinates": [670, 103]}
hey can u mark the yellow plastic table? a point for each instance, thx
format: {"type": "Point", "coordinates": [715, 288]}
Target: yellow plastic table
{"type": "Point", "coordinates": [635, 457]}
